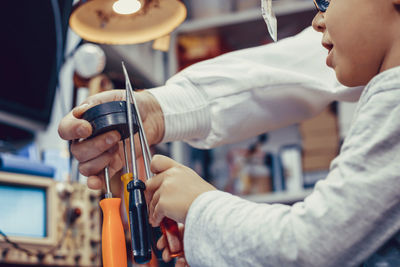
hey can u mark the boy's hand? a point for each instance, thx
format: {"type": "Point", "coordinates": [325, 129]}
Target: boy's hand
{"type": "Point", "coordinates": [166, 255]}
{"type": "Point", "coordinates": [96, 153]}
{"type": "Point", "coordinates": [172, 190]}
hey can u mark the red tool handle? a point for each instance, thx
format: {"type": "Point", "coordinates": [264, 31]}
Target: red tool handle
{"type": "Point", "coordinates": [113, 236]}
{"type": "Point", "coordinates": [171, 232]}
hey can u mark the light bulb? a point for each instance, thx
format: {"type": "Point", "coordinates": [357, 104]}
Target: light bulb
{"type": "Point", "coordinates": [89, 60]}
{"type": "Point", "coordinates": [126, 7]}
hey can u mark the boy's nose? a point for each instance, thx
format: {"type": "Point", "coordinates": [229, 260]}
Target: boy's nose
{"type": "Point", "coordinates": [318, 22]}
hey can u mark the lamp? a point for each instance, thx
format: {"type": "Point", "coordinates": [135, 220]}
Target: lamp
{"type": "Point", "coordinates": [127, 7]}
{"type": "Point", "coordinates": [116, 22]}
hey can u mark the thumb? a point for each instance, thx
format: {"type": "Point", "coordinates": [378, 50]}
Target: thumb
{"type": "Point", "coordinates": [161, 163]}
{"type": "Point", "coordinates": [97, 99]}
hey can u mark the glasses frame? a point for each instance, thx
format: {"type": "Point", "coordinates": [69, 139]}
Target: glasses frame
{"type": "Point", "coordinates": [321, 5]}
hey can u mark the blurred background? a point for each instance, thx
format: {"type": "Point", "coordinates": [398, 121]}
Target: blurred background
{"type": "Point", "coordinates": [48, 217]}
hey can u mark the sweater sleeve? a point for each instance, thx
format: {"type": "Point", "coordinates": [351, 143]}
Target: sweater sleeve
{"type": "Point", "coordinates": [349, 215]}
{"type": "Point", "coordinates": [209, 103]}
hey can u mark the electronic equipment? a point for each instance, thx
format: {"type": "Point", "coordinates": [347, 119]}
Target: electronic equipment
{"type": "Point", "coordinates": [51, 223]}
{"type": "Point", "coordinates": [31, 51]}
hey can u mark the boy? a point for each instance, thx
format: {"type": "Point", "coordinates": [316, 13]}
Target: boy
{"type": "Point", "coordinates": [354, 211]}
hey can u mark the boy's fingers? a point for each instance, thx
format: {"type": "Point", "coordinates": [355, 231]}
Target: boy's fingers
{"type": "Point", "coordinates": [154, 183]}
{"type": "Point", "coordinates": [181, 229]}
{"type": "Point", "coordinates": [161, 244]}
{"type": "Point", "coordinates": [161, 163]}
{"type": "Point", "coordinates": [181, 262]}
{"type": "Point", "coordinates": [158, 215]}
{"type": "Point", "coordinates": [153, 203]}
{"type": "Point", "coordinates": [166, 256]}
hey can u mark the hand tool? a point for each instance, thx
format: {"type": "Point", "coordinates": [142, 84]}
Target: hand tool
{"type": "Point", "coordinates": [113, 236]}
{"type": "Point", "coordinates": [138, 216]}
{"type": "Point", "coordinates": [169, 227]}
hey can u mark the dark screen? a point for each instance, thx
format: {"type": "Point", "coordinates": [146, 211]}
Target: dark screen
{"type": "Point", "coordinates": [28, 73]}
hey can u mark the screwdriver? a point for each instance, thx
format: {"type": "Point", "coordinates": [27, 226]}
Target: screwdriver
{"type": "Point", "coordinates": [138, 215]}
{"type": "Point", "coordinates": [168, 227]}
{"type": "Point", "coordinates": [113, 237]}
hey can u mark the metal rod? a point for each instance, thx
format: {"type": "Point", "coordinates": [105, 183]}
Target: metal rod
{"type": "Point", "coordinates": [107, 179]}
{"type": "Point", "coordinates": [140, 122]}
{"type": "Point", "coordinates": [142, 135]}
{"type": "Point", "coordinates": [130, 124]}
{"type": "Point", "coordinates": [146, 145]}
{"type": "Point", "coordinates": [145, 156]}
{"type": "Point", "coordinates": [142, 143]}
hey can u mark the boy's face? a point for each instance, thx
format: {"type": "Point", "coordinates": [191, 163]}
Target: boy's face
{"type": "Point", "coordinates": [359, 34]}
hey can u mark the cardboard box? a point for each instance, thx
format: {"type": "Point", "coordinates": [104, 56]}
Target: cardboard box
{"type": "Point", "coordinates": [321, 142]}
{"type": "Point", "coordinates": [325, 121]}
{"type": "Point", "coordinates": [316, 162]}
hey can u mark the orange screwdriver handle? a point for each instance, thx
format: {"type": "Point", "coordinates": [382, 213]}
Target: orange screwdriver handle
{"type": "Point", "coordinates": [170, 231]}
{"type": "Point", "coordinates": [113, 237]}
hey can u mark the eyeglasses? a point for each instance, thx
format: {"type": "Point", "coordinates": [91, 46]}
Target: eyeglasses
{"type": "Point", "coordinates": [322, 5]}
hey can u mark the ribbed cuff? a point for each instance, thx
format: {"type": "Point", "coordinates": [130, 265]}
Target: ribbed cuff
{"type": "Point", "coordinates": [186, 113]}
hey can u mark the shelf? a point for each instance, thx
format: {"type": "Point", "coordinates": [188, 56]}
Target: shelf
{"type": "Point", "coordinates": [281, 8]}
{"type": "Point", "coordinates": [280, 197]}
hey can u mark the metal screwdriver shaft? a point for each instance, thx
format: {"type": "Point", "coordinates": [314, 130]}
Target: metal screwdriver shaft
{"type": "Point", "coordinates": [130, 124]}
{"type": "Point", "coordinates": [107, 179]}
{"type": "Point", "coordinates": [142, 136]}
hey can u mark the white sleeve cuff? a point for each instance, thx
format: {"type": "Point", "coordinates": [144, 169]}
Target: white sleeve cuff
{"type": "Point", "coordinates": [185, 110]}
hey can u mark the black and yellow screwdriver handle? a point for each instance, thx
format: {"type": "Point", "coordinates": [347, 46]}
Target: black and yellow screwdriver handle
{"type": "Point", "coordinates": [125, 179]}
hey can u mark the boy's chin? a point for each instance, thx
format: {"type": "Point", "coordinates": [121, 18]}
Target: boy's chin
{"type": "Point", "coordinates": [349, 79]}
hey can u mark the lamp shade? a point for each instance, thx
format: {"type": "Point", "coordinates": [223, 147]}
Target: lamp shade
{"type": "Point", "coordinates": [96, 21]}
